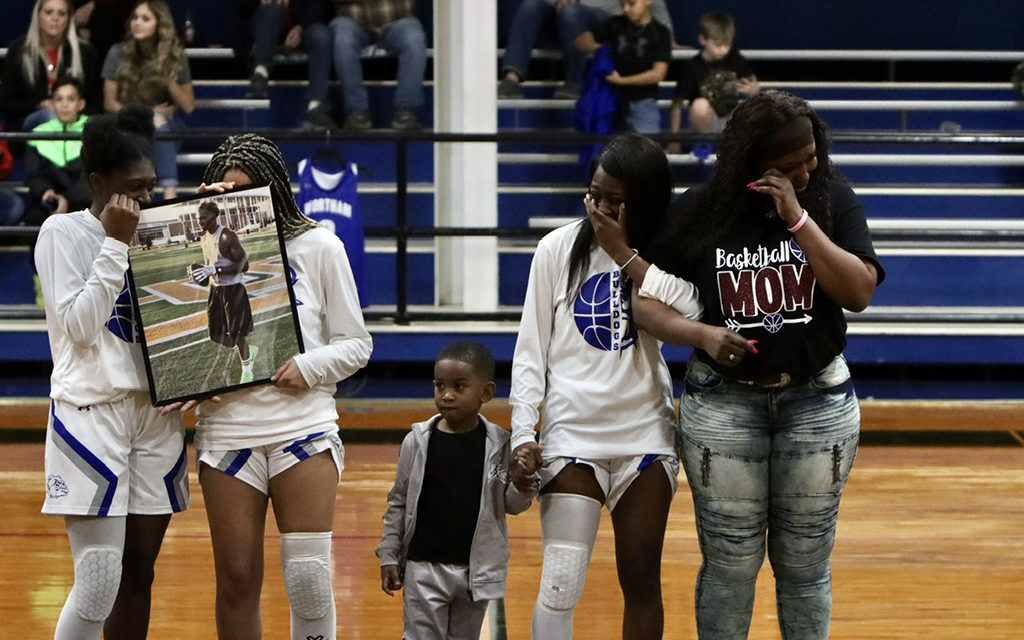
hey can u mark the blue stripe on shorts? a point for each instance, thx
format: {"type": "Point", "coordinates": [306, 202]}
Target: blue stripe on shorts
{"type": "Point", "coordinates": [87, 462]}
{"type": "Point", "coordinates": [299, 448]}
{"type": "Point", "coordinates": [174, 480]}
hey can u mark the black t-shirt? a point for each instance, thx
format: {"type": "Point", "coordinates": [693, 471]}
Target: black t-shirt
{"type": "Point", "coordinates": [449, 503]}
{"type": "Point", "coordinates": [756, 280]}
{"type": "Point", "coordinates": [635, 49]}
{"type": "Point", "coordinates": [697, 71]}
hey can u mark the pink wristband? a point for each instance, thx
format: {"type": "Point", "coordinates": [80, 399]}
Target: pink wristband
{"type": "Point", "coordinates": [799, 223]}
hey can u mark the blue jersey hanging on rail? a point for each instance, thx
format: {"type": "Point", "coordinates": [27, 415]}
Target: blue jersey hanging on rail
{"type": "Point", "coordinates": [328, 194]}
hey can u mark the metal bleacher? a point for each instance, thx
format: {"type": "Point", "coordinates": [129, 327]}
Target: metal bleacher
{"type": "Point", "coordinates": [938, 165]}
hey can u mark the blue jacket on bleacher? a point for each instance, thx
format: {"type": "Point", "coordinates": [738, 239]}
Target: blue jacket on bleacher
{"type": "Point", "coordinates": [598, 102]}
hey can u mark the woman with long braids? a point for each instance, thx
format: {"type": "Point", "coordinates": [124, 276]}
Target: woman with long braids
{"type": "Point", "coordinates": [150, 67]}
{"type": "Point", "coordinates": [50, 49]}
{"type": "Point", "coordinates": [115, 467]}
{"type": "Point", "coordinates": [601, 390]}
{"type": "Point", "coordinates": [279, 443]}
{"type": "Point", "coordinates": [778, 246]}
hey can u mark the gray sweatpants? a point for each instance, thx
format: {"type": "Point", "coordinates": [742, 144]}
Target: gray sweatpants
{"type": "Point", "coordinates": [437, 604]}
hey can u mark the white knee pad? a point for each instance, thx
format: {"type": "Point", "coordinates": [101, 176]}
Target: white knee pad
{"type": "Point", "coordinates": [97, 578]}
{"type": "Point", "coordinates": [306, 563]}
{"type": "Point", "coordinates": [569, 523]}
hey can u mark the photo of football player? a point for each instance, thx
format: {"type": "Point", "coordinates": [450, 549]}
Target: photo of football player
{"type": "Point", "coordinates": [225, 262]}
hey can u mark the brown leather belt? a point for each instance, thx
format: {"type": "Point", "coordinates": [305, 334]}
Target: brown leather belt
{"type": "Point", "coordinates": [770, 381]}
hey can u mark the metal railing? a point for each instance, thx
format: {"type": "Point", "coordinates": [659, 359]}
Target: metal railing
{"type": "Point", "coordinates": [402, 232]}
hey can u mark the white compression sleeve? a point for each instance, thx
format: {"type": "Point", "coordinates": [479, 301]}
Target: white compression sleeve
{"type": "Point", "coordinates": [97, 545]}
{"type": "Point", "coordinates": [569, 526]}
{"type": "Point", "coordinates": [306, 563]}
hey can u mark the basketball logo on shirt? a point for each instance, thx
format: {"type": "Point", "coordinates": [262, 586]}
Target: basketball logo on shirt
{"type": "Point", "coordinates": [601, 311]}
{"type": "Point", "coordinates": [121, 322]}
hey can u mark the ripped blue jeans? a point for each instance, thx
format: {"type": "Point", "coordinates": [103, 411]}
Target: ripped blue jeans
{"type": "Point", "coordinates": [766, 468]}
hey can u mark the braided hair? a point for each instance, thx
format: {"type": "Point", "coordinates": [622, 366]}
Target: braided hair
{"type": "Point", "coordinates": [261, 160]}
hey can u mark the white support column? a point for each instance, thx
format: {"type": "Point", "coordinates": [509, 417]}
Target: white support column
{"type": "Point", "coordinates": [466, 174]}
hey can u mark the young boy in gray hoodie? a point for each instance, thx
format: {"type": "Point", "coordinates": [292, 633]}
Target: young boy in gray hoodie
{"type": "Point", "coordinates": [444, 528]}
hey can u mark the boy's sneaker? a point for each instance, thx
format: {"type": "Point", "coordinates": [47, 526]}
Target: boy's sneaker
{"type": "Point", "coordinates": [405, 119]}
{"type": "Point", "coordinates": [509, 88]}
{"type": "Point", "coordinates": [358, 121]}
{"type": "Point", "coordinates": [257, 87]}
{"type": "Point", "coordinates": [567, 91]}
{"type": "Point", "coordinates": [319, 117]}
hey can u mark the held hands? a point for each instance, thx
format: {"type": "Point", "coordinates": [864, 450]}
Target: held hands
{"type": "Point", "coordinates": [119, 217]}
{"type": "Point", "coordinates": [526, 461]}
{"type": "Point", "coordinates": [390, 579]}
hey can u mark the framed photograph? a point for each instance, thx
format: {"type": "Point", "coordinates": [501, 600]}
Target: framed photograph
{"type": "Point", "coordinates": [212, 294]}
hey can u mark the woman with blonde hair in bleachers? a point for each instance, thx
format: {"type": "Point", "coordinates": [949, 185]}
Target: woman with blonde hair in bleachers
{"type": "Point", "coordinates": [49, 49]}
{"type": "Point", "coordinates": [150, 67]}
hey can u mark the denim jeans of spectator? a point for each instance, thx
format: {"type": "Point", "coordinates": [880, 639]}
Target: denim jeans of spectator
{"type": "Point", "coordinates": [265, 27]}
{"type": "Point", "coordinates": [528, 22]}
{"type": "Point", "coordinates": [165, 153]}
{"type": "Point", "coordinates": [766, 469]}
{"type": "Point", "coordinates": [404, 38]}
{"type": "Point", "coordinates": [643, 116]}
{"type": "Point", "coordinates": [37, 117]}
{"type": "Point", "coordinates": [318, 41]}
{"type": "Point", "coordinates": [12, 207]}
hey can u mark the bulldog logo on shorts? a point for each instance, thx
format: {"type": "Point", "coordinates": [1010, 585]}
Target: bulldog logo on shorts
{"type": "Point", "coordinates": [56, 487]}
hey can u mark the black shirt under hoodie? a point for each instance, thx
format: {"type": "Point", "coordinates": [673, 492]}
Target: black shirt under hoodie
{"type": "Point", "coordinates": [449, 503]}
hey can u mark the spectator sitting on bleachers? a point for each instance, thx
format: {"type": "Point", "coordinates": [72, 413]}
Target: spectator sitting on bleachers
{"type": "Point", "coordinates": [574, 17]}
{"type": "Point", "coordinates": [257, 31]}
{"type": "Point", "coordinates": [53, 170]}
{"type": "Point", "coordinates": [150, 67]}
{"type": "Point", "coordinates": [641, 48]}
{"type": "Point", "coordinates": [11, 205]}
{"type": "Point", "coordinates": [393, 26]}
{"type": "Point", "coordinates": [713, 81]}
{"type": "Point", "coordinates": [50, 48]}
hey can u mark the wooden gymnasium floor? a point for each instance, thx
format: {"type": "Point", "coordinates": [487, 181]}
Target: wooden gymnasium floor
{"type": "Point", "coordinates": [929, 542]}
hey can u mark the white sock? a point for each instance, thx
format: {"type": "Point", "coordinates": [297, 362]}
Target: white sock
{"type": "Point", "coordinates": [262, 70]}
{"type": "Point", "coordinates": [313, 104]}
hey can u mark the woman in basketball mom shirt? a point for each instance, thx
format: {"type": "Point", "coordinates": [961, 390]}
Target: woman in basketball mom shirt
{"type": "Point", "coordinates": [778, 247]}
{"type": "Point", "coordinates": [606, 434]}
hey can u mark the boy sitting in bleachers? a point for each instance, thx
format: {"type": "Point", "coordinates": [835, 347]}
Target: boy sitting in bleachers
{"type": "Point", "coordinates": [713, 81]}
{"type": "Point", "coordinates": [53, 172]}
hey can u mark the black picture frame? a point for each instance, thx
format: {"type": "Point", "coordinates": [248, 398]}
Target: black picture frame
{"type": "Point", "coordinates": [192, 320]}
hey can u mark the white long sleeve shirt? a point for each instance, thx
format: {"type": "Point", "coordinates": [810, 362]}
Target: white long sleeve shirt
{"type": "Point", "coordinates": [600, 388]}
{"type": "Point", "coordinates": [94, 341]}
{"type": "Point", "coordinates": [336, 345]}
